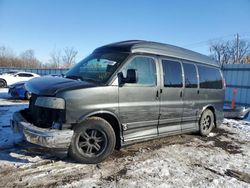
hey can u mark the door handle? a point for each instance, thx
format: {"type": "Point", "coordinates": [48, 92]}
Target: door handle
{"type": "Point", "coordinates": [198, 91]}
{"type": "Point", "coordinates": [157, 94]}
{"type": "Point", "coordinates": [181, 94]}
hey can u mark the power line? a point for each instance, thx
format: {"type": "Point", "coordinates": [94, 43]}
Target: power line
{"type": "Point", "coordinates": [205, 42]}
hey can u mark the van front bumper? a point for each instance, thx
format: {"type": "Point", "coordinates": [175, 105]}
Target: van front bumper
{"type": "Point", "coordinates": [50, 138]}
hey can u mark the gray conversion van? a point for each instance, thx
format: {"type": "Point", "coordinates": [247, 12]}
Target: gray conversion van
{"type": "Point", "coordinates": [121, 94]}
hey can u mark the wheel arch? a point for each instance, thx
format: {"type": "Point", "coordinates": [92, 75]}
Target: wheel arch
{"type": "Point", "coordinates": [212, 108]}
{"type": "Point", "coordinates": [113, 120]}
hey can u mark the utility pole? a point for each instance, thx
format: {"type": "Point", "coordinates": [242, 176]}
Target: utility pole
{"type": "Point", "coordinates": [237, 48]}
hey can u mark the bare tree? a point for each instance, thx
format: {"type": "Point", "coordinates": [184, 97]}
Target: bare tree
{"type": "Point", "coordinates": [247, 59]}
{"type": "Point", "coordinates": [221, 51]}
{"type": "Point", "coordinates": [244, 49]}
{"type": "Point", "coordinates": [29, 59]}
{"type": "Point", "coordinates": [69, 57]}
{"type": "Point", "coordinates": [65, 59]}
{"type": "Point", "coordinates": [55, 59]}
{"type": "Point", "coordinates": [225, 52]}
{"type": "Point", "coordinates": [6, 52]}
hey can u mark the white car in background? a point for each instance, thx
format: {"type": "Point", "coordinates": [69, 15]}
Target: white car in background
{"type": "Point", "coordinates": [12, 77]}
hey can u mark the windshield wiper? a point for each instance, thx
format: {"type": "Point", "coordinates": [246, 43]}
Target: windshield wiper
{"type": "Point", "coordinates": [90, 79]}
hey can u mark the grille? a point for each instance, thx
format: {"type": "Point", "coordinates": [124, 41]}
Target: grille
{"type": "Point", "coordinates": [44, 117]}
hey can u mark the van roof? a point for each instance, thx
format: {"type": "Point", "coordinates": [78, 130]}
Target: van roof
{"type": "Point", "coordinates": [141, 46]}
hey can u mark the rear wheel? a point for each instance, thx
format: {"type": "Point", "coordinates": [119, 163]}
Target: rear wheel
{"type": "Point", "coordinates": [3, 83]}
{"type": "Point", "coordinates": [93, 141]}
{"type": "Point", "coordinates": [206, 122]}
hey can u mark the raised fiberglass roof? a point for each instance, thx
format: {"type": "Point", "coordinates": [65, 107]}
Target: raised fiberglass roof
{"type": "Point", "coordinates": [140, 46]}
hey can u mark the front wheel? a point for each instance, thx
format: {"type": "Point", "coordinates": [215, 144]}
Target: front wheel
{"type": "Point", "coordinates": [206, 122]}
{"type": "Point", "coordinates": [93, 141]}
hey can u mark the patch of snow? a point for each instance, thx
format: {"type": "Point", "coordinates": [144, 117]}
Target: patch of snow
{"type": "Point", "coordinates": [4, 93]}
{"type": "Point", "coordinates": [238, 124]}
{"type": "Point", "coordinates": [212, 134]}
{"type": "Point", "coordinates": [7, 108]}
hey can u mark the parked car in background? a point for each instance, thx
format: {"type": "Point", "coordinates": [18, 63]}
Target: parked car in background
{"type": "Point", "coordinates": [12, 77]}
{"type": "Point", "coordinates": [123, 93]}
{"type": "Point", "coordinates": [19, 91]}
{"type": "Point", "coordinates": [237, 112]}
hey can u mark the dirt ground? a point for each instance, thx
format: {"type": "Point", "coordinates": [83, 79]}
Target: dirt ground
{"type": "Point", "coordinates": [25, 165]}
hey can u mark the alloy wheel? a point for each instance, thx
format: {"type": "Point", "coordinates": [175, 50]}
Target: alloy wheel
{"type": "Point", "coordinates": [92, 142]}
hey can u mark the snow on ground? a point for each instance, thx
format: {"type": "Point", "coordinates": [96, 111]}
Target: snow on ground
{"type": "Point", "coordinates": [8, 107]}
{"type": "Point", "coordinates": [239, 124]}
{"type": "Point", "coordinates": [220, 160]}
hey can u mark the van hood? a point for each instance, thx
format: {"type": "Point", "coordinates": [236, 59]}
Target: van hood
{"type": "Point", "coordinates": [50, 86]}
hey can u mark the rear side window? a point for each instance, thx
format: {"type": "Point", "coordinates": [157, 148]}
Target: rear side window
{"type": "Point", "coordinates": [190, 75]}
{"type": "Point", "coordinates": [25, 75]}
{"type": "Point", "coordinates": [172, 73]}
{"type": "Point", "coordinates": [210, 78]}
{"type": "Point", "coordinates": [146, 70]}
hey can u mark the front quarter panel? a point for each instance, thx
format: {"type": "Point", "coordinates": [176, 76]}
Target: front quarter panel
{"type": "Point", "coordinates": [81, 102]}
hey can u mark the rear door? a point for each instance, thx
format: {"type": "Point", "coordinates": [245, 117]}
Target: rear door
{"type": "Point", "coordinates": [190, 97]}
{"type": "Point", "coordinates": [139, 102]}
{"type": "Point", "coordinates": [171, 105]}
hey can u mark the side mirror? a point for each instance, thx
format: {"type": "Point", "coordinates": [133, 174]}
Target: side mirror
{"type": "Point", "coordinates": [131, 77]}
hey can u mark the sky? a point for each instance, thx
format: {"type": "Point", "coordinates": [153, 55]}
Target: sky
{"type": "Point", "coordinates": [50, 25]}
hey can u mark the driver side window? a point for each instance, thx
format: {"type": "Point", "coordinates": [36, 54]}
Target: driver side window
{"type": "Point", "coordinates": [145, 68]}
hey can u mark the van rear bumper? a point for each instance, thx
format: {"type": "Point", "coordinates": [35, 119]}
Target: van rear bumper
{"type": "Point", "coordinates": [50, 138]}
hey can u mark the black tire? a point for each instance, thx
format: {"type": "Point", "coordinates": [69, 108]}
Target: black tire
{"type": "Point", "coordinates": [206, 122]}
{"type": "Point", "coordinates": [3, 83]}
{"type": "Point", "coordinates": [93, 141]}
{"type": "Point", "coordinates": [27, 95]}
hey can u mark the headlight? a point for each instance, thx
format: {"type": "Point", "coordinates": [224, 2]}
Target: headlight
{"type": "Point", "coordinates": [50, 102]}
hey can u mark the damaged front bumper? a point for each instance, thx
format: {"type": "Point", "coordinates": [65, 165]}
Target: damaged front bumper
{"type": "Point", "coordinates": [50, 138]}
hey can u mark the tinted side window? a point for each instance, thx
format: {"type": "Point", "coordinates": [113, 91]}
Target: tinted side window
{"type": "Point", "coordinates": [25, 75]}
{"type": "Point", "coordinates": [190, 75]}
{"type": "Point", "coordinates": [172, 73]}
{"type": "Point", "coordinates": [145, 68]}
{"type": "Point", "coordinates": [210, 78]}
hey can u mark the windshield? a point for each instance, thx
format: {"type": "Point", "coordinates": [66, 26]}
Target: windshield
{"type": "Point", "coordinates": [97, 67]}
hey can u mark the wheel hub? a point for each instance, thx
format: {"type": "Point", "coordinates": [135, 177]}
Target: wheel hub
{"type": "Point", "coordinates": [206, 123]}
{"type": "Point", "coordinates": [91, 142]}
